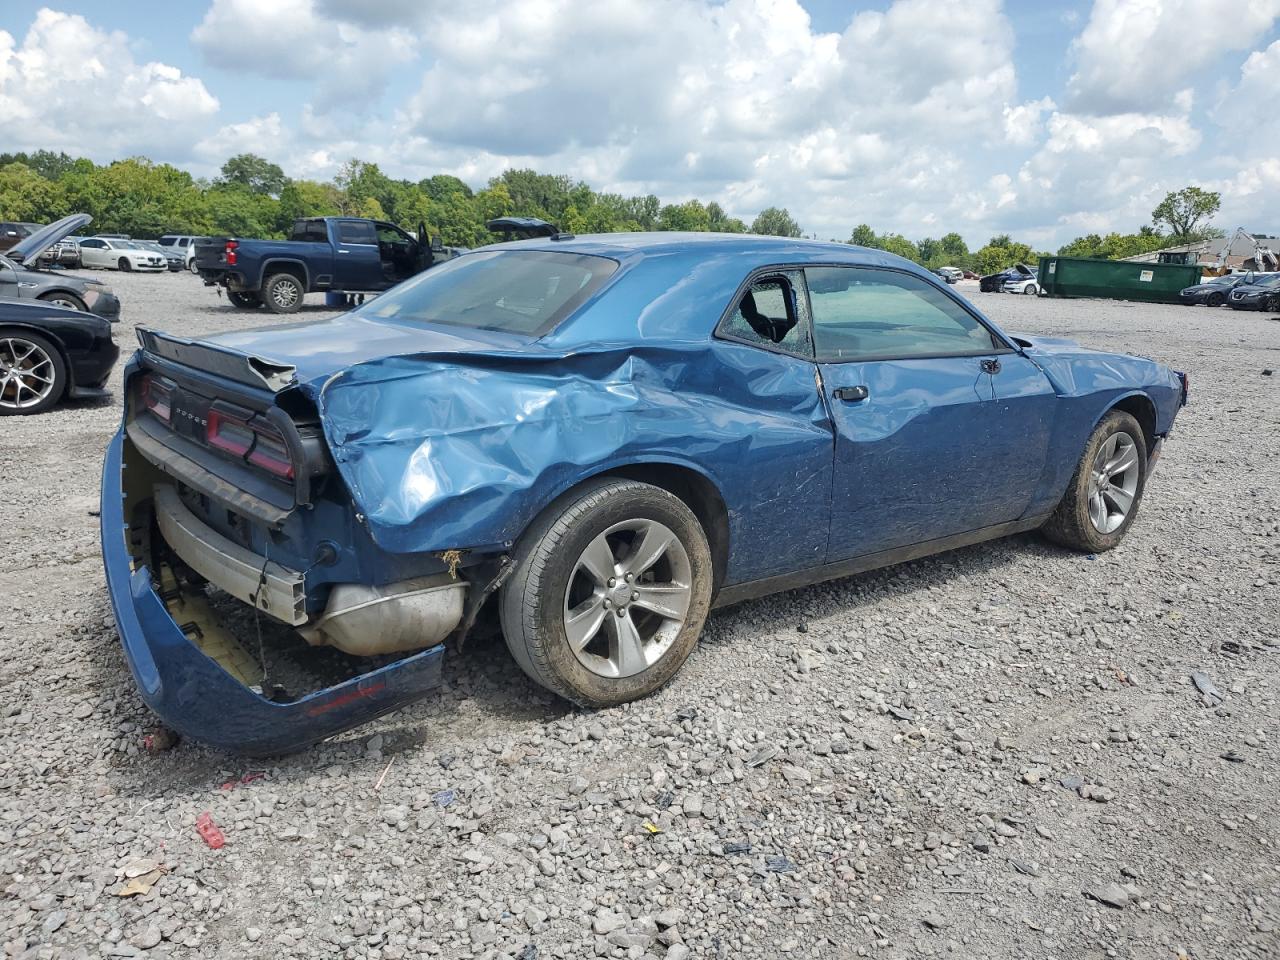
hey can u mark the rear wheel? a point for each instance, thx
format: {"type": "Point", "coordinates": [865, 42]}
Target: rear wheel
{"type": "Point", "coordinates": [63, 299]}
{"type": "Point", "coordinates": [32, 374]}
{"type": "Point", "coordinates": [1103, 497]}
{"type": "Point", "coordinates": [124, 264]}
{"type": "Point", "coordinates": [244, 301]}
{"type": "Point", "coordinates": [609, 594]}
{"type": "Point", "coordinates": [283, 293]}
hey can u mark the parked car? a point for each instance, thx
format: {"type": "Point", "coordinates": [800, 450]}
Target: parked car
{"type": "Point", "coordinates": [994, 282]}
{"type": "Point", "coordinates": [588, 442]}
{"type": "Point", "coordinates": [1262, 294]}
{"type": "Point", "coordinates": [109, 253]}
{"type": "Point", "coordinates": [949, 274]}
{"type": "Point", "coordinates": [1021, 284]}
{"type": "Point", "coordinates": [48, 353]}
{"type": "Point", "coordinates": [185, 244]}
{"type": "Point", "coordinates": [64, 253]}
{"type": "Point", "coordinates": [338, 254]}
{"type": "Point", "coordinates": [24, 275]}
{"type": "Point", "coordinates": [1214, 291]}
{"type": "Point", "coordinates": [175, 260]}
{"type": "Point", "coordinates": [12, 231]}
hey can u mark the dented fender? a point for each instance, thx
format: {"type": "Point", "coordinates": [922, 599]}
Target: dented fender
{"type": "Point", "coordinates": [443, 451]}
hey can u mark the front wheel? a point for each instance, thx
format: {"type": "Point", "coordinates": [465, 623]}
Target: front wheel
{"type": "Point", "coordinates": [283, 293]}
{"type": "Point", "coordinates": [64, 299]}
{"type": "Point", "coordinates": [1271, 304]}
{"type": "Point", "coordinates": [1106, 489]}
{"type": "Point", "coordinates": [32, 374]}
{"type": "Point", "coordinates": [124, 264]}
{"type": "Point", "coordinates": [1216, 300]}
{"type": "Point", "coordinates": [609, 594]}
{"type": "Point", "coordinates": [193, 268]}
{"type": "Point", "coordinates": [1031, 290]}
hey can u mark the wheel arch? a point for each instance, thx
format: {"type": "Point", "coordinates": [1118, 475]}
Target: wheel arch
{"type": "Point", "coordinates": [691, 486]}
{"type": "Point", "coordinates": [285, 265]}
{"type": "Point", "coordinates": [45, 295]}
{"type": "Point", "coordinates": [1143, 409]}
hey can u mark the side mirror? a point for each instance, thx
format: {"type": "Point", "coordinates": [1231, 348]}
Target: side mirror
{"type": "Point", "coordinates": [436, 245]}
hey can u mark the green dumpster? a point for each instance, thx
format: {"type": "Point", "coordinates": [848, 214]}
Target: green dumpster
{"type": "Point", "coordinates": [1115, 279]}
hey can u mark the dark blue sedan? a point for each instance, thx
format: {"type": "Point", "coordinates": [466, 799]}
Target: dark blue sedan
{"type": "Point", "coordinates": [587, 443]}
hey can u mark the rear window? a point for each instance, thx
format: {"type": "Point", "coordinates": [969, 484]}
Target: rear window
{"type": "Point", "coordinates": [525, 292]}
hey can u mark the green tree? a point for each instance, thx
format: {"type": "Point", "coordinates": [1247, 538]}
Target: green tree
{"type": "Point", "coordinates": [864, 236]}
{"type": "Point", "coordinates": [27, 196]}
{"type": "Point", "coordinates": [1002, 251]}
{"type": "Point", "coordinates": [897, 243]}
{"type": "Point", "coordinates": [252, 171]}
{"type": "Point", "coordinates": [954, 249]}
{"type": "Point", "coordinates": [690, 215]}
{"type": "Point", "coordinates": [1187, 212]}
{"type": "Point", "coordinates": [776, 222]}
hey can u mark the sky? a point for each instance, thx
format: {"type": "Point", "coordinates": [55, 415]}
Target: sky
{"type": "Point", "coordinates": [920, 117]}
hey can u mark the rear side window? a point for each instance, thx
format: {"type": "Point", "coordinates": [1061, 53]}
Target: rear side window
{"type": "Point", "coordinates": [525, 292]}
{"type": "Point", "coordinates": [167, 241]}
{"type": "Point", "coordinates": [771, 314]}
{"type": "Point", "coordinates": [866, 314]}
{"type": "Point", "coordinates": [310, 231]}
{"type": "Point", "coordinates": [356, 231]}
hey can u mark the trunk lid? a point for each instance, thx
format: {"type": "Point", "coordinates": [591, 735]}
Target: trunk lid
{"type": "Point", "coordinates": [307, 354]}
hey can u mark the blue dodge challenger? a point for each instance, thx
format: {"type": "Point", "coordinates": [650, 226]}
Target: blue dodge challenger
{"type": "Point", "coordinates": [586, 443]}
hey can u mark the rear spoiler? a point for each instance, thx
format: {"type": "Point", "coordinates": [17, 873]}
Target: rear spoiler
{"type": "Point", "coordinates": [243, 368]}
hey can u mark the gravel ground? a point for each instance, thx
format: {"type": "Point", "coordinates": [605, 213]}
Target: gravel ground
{"type": "Point", "coordinates": [998, 752]}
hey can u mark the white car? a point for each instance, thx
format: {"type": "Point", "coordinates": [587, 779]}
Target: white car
{"type": "Point", "coordinates": [184, 244]}
{"type": "Point", "coordinates": [1028, 285]}
{"type": "Point", "coordinates": [112, 254]}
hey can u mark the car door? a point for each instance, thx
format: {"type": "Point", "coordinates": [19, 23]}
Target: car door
{"type": "Point", "coordinates": [93, 252]}
{"type": "Point", "coordinates": [765, 382]}
{"type": "Point", "coordinates": [356, 264]}
{"type": "Point", "coordinates": [923, 448]}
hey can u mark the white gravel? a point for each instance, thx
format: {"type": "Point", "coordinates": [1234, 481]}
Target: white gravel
{"type": "Point", "coordinates": [873, 767]}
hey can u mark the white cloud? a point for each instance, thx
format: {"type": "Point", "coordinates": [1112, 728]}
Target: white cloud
{"type": "Point", "coordinates": [291, 40]}
{"type": "Point", "coordinates": [70, 86]}
{"type": "Point", "coordinates": [1134, 54]}
{"type": "Point", "coordinates": [1022, 124]}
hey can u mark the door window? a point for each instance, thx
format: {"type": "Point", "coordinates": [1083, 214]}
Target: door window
{"type": "Point", "coordinates": [770, 314]}
{"type": "Point", "coordinates": [356, 231]}
{"type": "Point", "coordinates": [860, 313]}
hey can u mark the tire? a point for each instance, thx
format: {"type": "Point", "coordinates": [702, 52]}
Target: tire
{"type": "Point", "coordinates": [1215, 300]}
{"type": "Point", "coordinates": [1271, 304]}
{"type": "Point", "coordinates": [552, 576]}
{"type": "Point", "coordinates": [44, 375]}
{"type": "Point", "coordinates": [64, 299]}
{"type": "Point", "coordinates": [193, 268]}
{"type": "Point", "coordinates": [1030, 289]}
{"type": "Point", "coordinates": [124, 265]}
{"type": "Point", "coordinates": [283, 293]}
{"type": "Point", "coordinates": [1074, 522]}
{"type": "Point", "coordinates": [244, 301]}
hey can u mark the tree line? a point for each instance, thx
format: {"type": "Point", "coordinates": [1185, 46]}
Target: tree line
{"type": "Point", "coordinates": [252, 197]}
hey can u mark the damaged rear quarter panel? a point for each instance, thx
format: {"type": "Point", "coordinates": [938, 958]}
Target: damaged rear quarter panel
{"type": "Point", "coordinates": [464, 451]}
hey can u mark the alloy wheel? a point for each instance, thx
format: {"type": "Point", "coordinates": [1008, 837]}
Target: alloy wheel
{"type": "Point", "coordinates": [1113, 483]}
{"type": "Point", "coordinates": [284, 294]}
{"type": "Point", "coordinates": [627, 598]}
{"type": "Point", "coordinates": [26, 374]}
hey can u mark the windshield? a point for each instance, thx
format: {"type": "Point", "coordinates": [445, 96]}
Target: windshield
{"type": "Point", "coordinates": [513, 291]}
{"type": "Point", "coordinates": [1269, 280]}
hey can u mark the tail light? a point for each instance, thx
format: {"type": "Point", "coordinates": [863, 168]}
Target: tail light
{"type": "Point", "coordinates": [1186, 386]}
{"type": "Point", "coordinates": [229, 252]}
{"type": "Point", "coordinates": [258, 444]}
{"type": "Point", "coordinates": [155, 395]}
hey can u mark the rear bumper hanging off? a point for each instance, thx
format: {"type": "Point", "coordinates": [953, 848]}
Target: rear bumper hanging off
{"type": "Point", "coordinates": [195, 696]}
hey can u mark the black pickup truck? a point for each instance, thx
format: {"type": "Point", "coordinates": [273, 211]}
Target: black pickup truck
{"type": "Point", "coordinates": [339, 254]}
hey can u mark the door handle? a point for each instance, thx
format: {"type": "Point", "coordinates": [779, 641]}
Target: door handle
{"type": "Point", "coordinates": [344, 251]}
{"type": "Point", "coordinates": [990, 366]}
{"type": "Point", "coordinates": [851, 394]}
